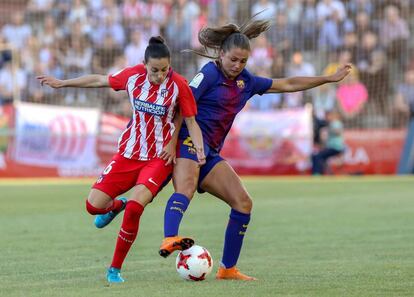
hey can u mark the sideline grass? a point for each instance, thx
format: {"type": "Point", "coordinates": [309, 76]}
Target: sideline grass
{"type": "Point", "coordinates": [308, 237]}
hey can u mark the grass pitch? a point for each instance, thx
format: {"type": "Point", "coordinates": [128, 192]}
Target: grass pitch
{"type": "Point", "coordinates": [308, 237]}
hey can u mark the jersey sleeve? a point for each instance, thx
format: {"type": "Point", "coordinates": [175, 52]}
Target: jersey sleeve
{"type": "Point", "coordinates": [261, 85]}
{"type": "Point", "coordinates": [118, 80]}
{"type": "Point", "coordinates": [202, 82]}
{"type": "Point", "coordinates": [186, 101]}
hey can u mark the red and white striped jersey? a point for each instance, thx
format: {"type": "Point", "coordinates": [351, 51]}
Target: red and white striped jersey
{"type": "Point", "coordinates": [154, 107]}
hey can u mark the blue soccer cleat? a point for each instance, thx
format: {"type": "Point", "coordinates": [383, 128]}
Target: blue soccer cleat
{"type": "Point", "coordinates": [113, 275]}
{"type": "Point", "coordinates": [104, 219]}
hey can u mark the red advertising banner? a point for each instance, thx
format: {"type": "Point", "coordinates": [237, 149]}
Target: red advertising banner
{"type": "Point", "coordinates": [370, 152]}
{"type": "Point", "coordinates": [279, 143]}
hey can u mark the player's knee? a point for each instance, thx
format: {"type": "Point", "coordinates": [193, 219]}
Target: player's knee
{"type": "Point", "coordinates": [243, 203]}
{"type": "Point", "coordinates": [187, 187]}
{"type": "Point", "coordinates": [92, 209]}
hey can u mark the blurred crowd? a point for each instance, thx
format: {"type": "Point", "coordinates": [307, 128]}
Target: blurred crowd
{"type": "Point", "coordinates": [68, 38]}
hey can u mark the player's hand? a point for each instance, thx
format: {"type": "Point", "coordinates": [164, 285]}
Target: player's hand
{"type": "Point", "coordinates": [201, 157]}
{"type": "Point", "coordinates": [341, 73]}
{"type": "Point", "coordinates": [50, 81]}
{"type": "Point", "coordinates": [168, 154]}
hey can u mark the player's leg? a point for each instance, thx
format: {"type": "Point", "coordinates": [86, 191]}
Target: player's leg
{"type": "Point", "coordinates": [151, 179]}
{"type": "Point", "coordinates": [185, 178]}
{"type": "Point", "coordinates": [102, 199]}
{"type": "Point", "coordinates": [223, 182]}
{"type": "Point", "coordinates": [139, 198]}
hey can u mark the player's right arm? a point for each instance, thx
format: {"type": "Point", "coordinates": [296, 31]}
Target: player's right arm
{"type": "Point", "coordinates": [86, 81]}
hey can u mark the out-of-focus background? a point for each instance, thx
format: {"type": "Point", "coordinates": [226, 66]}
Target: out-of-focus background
{"type": "Point", "coordinates": [73, 132]}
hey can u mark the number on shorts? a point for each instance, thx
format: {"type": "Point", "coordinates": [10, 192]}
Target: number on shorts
{"type": "Point", "coordinates": [108, 168]}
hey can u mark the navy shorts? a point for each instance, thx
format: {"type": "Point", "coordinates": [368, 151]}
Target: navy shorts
{"type": "Point", "coordinates": [186, 149]}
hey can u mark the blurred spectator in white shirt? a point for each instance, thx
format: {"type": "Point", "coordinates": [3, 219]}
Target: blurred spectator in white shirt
{"type": "Point", "coordinates": [134, 51]}
{"type": "Point", "coordinates": [268, 9]}
{"type": "Point", "coordinates": [17, 32]}
{"type": "Point", "coordinates": [326, 8]}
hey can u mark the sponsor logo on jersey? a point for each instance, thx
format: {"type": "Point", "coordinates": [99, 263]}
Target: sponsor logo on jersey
{"type": "Point", "coordinates": [240, 84]}
{"type": "Point", "coordinates": [197, 80]}
{"type": "Point", "coordinates": [151, 108]}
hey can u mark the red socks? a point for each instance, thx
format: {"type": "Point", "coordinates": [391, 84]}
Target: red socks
{"type": "Point", "coordinates": [128, 232]}
{"type": "Point", "coordinates": [116, 206]}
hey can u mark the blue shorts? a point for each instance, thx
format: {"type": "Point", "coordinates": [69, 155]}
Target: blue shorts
{"type": "Point", "coordinates": [185, 149]}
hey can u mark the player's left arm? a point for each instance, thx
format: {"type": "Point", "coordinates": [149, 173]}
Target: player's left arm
{"type": "Point", "coordinates": [300, 83]}
{"type": "Point", "coordinates": [188, 110]}
{"type": "Point", "coordinates": [196, 137]}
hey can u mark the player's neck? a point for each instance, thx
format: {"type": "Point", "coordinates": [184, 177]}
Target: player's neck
{"type": "Point", "coordinates": [218, 63]}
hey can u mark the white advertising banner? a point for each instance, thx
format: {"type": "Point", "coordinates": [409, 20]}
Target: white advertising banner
{"type": "Point", "coordinates": [55, 136]}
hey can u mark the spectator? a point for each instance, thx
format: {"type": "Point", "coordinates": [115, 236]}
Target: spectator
{"type": "Point", "coordinates": [109, 27]}
{"type": "Point", "coordinates": [36, 10]}
{"type": "Point", "coordinates": [394, 34]}
{"type": "Point", "coordinates": [363, 25]}
{"type": "Point", "coordinates": [12, 82]}
{"type": "Point", "coordinates": [190, 8]}
{"type": "Point", "coordinates": [404, 104]}
{"type": "Point", "coordinates": [77, 61]}
{"type": "Point", "coordinates": [330, 34]}
{"type": "Point", "coordinates": [375, 77]}
{"type": "Point", "coordinates": [404, 99]}
{"type": "Point", "coordinates": [352, 96]}
{"type": "Point", "coordinates": [133, 11]}
{"type": "Point", "coordinates": [297, 67]}
{"type": "Point", "coordinates": [333, 143]}
{"type": "Point", "coordinates": [261, 55]}
{"type": "Point", "coordinates": [323, 101]}
{"type": "Point", "coordinates": [358, 6]}
{"type": "Point", "coordinates": [282, 35]}
{"type": "Point", "coordinates": [350, 44]}
{"type": "Point", "coordinates": [325, 9]}
{"type": "Point", "coordinates": [49, 33]}
{"type": "Point", "coordinates": [293, 9]}
{"type": "Point", "coordinates": [17, 32]}
{"type": "Point", "coordinates": [105, 55]}
{"type": "Point", "coordinates": [178, 31]}
{"type": "Point", "coordinates": [368, 44]}
{"type": "Point", "coordinates": [134, 51]}
{"type": "Point", "coordinates": [308, 25]}
{"type": "Point", "coordinates": [267, 8]}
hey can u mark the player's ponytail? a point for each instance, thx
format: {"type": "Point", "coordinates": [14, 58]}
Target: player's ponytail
{"type": "Point", "coordinates": [230, 36]}
{"type": "Point", "coordinates": [156, 49]}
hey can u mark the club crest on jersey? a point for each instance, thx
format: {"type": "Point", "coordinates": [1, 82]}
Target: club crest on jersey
{"type": "Point", "coordinates": [240, 84]}
{"type": "Point", "coordinates": [151, 108]}
{"type": "Point", "coordinates": [164, 93]}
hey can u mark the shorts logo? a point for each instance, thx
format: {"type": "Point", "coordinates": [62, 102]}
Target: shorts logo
{"type": "Point", "coordinates": [151, 108]}
{"type": "Point", "coordinates": [189, 143]}
{"type": "Point", "coordinates": [152, 181]}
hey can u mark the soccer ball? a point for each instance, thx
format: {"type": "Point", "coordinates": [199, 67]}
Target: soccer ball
{"type": "Point", "coordinates": [194, 263]}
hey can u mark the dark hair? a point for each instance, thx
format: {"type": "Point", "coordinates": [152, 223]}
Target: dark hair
{"type": "Point", "coordinates": [230, 36]}
{"type": "Point", "coordinates": [156, 49]}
